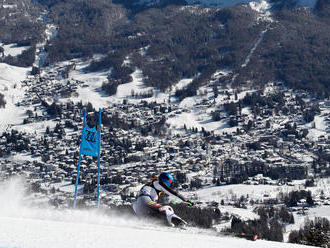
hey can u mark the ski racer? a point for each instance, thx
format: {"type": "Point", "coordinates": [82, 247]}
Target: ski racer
{"type": "Point", "coordinates": [147, 204]}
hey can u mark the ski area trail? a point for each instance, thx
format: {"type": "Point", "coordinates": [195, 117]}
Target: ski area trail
{"type": "Point", "coordinates": [21, 232]}
{"type": "Point", "coordinates": [28, 224]}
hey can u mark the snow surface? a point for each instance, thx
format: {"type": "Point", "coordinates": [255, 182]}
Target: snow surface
{"type": "Point", "coordinates": [317, 128]}
{"type": "Point", "coordinates": [23, 225]}
{"type": "Point", "coordinates": [255, 192]}
{"type": "Point", "coordinates": [50, 33]}
{"type": "Point", "coordinates": [38, 128]}
{"type": "Point", "coordinates": [261, 37]}
{"type": "Point", "coordinates": [136, 86]}
{"type": "Point", "coordinates": [262, 192]}
{"type": "Point", "coordinates": [9, 6]}
{"type": "Point", "coordinates": [13, 49]}
{"type": "Point", "coordinates": [260, 3]}
{"type": "Point", "coordinates": [92, 92]}
{"type": "Point", "coordinates": [217, 3]}
{"type": "Point", "coordinates": [263, 7]}
{"type": "Point", "coordinates": [183, 83]}
{"type": "Point", "coordinates": [13, 90]}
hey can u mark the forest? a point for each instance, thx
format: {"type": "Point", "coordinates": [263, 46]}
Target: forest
{"type": "Point", "coordinates": [169, 42]}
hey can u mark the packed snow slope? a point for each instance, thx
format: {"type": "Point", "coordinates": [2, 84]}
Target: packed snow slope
{"type": "Point", "coordinates": [27, 225]}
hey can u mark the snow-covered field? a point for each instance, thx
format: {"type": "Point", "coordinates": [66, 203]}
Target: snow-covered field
{"type": "Point", "coordinates": [13, 90]}
{"type": "Point", "coordinates": [13, 49]}
{"type": "Point", "coordinates": [263, 192]}
{"type": "Point", "coordinates": [25, 226]}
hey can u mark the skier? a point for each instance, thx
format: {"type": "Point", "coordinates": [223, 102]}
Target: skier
{"type": "Point", "coordinates": [146, 203]}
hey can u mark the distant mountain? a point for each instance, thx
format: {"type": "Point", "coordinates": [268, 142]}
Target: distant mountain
{"type": "Point", "coordinates": [168, 42]}
{"type": "Point", "coordinates": [217, 3]}
{"type": "Point", "coordinates": [139, 5]}
{"type": "Point", "coordinates": [212, 3]}
{"type": "Point", "coordinates": [162, 3]}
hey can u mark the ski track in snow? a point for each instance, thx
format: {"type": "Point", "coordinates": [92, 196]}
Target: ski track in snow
{"type": "Point", "coordinates": [83, 229]}
{"type": "Point", "coordinates": [26, 225]}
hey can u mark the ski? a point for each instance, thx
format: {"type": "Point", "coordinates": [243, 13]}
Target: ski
{"type": "Point", "coordinates": [252, 237]}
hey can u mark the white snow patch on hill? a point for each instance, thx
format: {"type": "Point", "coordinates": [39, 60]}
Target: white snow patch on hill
{"type": "Point", "coordinates": [12, 89]}
{"type": "Point", "coordinates": [92, 89]}
{"type": "Point", "coordinates": [136, 86]}
{"type": "Point", "coordinates": [183, 83]}
{"type": "Point", "coordinates": [217, 3]}
{"type": "Point", "coordinates": [259, 5]}
{"type": "Point", "coordinates": [36, 127]}
{"type": "Point", "coordinates": [261, 37]}
{"type": "Point", "coordinates": [316, 128]}
{"type": "Point", "coordinates": [13, 49]}
{"type": "Point", "coordinates": [9, 6]}
{"type": "Point", "coordinates": [263, 7]}
{"type": "Point", "coordinates": [320, 123]}
{"type": "Point", "coordinates": [92, 92]}
{"type": "Point", "coordinates": [41, 53]}
{"type": "Point", "coordinates": [199, 120]}
{"type": "Point", "coordinates": [255, 192]}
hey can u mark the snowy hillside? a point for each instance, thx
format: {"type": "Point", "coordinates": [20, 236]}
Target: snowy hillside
{"type": "Point", "coordinates": [13, 90]}
{"type": "Point", "coordinates": [13, 49]}
{"type": "Point", "coordinates": [27, 227]}
{"type": "Point", "coordinates": [220, 3]}
{"type": "Point", "coordinates": [229, 3]}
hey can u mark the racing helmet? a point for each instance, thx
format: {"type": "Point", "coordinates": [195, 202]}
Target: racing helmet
{"type": "Point", "coordinates": [166, 178]}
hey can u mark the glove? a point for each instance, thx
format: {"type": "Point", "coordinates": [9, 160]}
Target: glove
{"type": "Point", "coordinates": [189, 203]}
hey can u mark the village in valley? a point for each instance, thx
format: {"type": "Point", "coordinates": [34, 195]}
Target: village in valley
{"type": "Point", "coordinates": [230, 97]}
{"type": "Point", "coordinates": [245, 135]}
